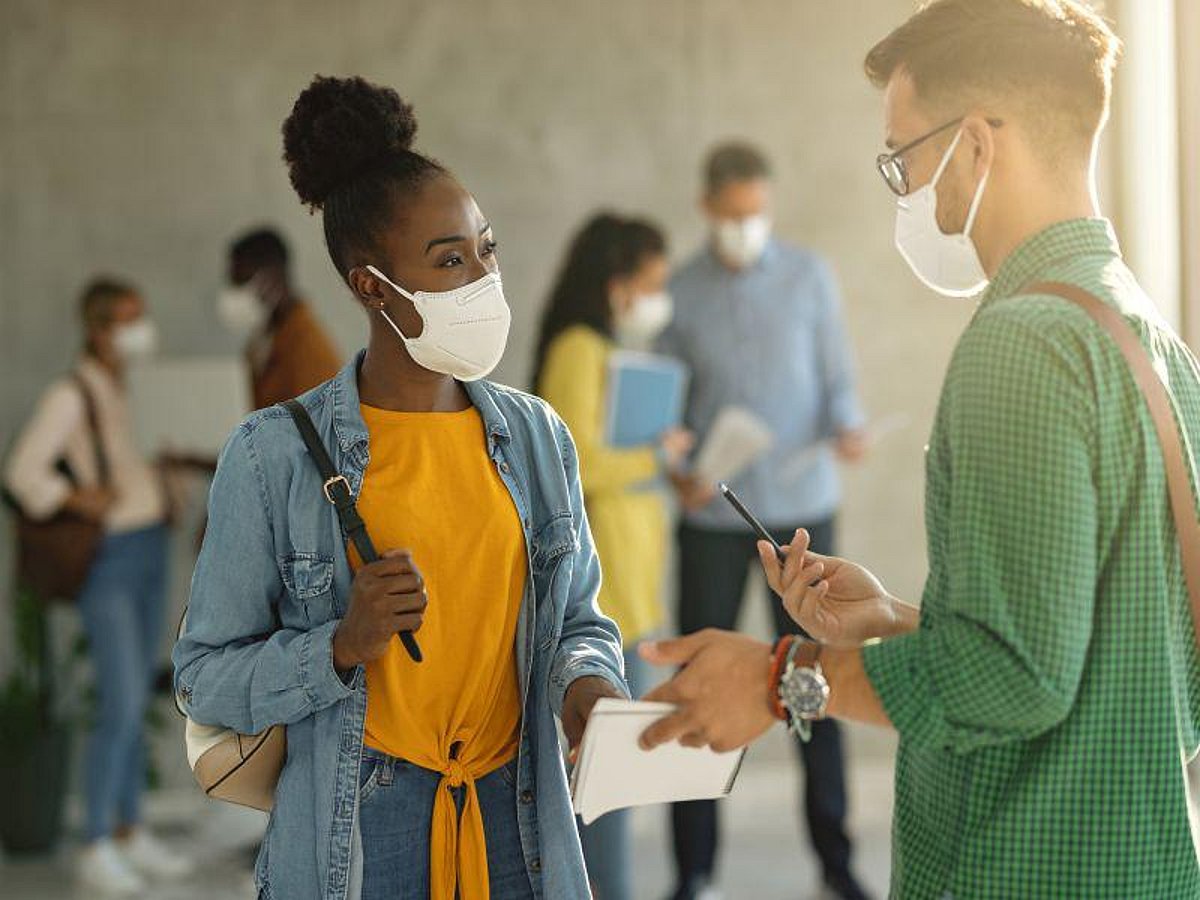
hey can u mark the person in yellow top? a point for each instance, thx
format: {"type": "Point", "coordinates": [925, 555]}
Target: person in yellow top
{"type": "Point", "coordinates": [610, 291]}
{"type": "Point", "coordinates": [430, 772]}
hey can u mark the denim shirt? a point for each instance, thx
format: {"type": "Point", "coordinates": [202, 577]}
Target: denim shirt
{"type": "Point", "coordinates": [273, 581]}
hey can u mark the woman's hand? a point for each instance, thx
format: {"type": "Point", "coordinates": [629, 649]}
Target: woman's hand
{"type": "Point", "coordinates": [91, 504]}
{"type": "Point", "coordinates": [676, 444]}
{"type": "Point", "coordinates": [388, 597]}
{"type": "Point", "coordinates": [836, 601]}
{"type": "Point", "coordinates": [577, 707]}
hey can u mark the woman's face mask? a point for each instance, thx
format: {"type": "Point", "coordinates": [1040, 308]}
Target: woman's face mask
{"type": "Point", "coordinates": [465, 330]}
{"type": "Point", "coordinates": [645, 318]}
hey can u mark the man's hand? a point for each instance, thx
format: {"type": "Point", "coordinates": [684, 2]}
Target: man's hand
{"type": "Point", "coordinates": [837, 602]}
{"type": "Point", "coordinates": [577, 706]}
{"type": "Point", "coordinates": [852, 446]}
{"type": "Point", "coordinates": [676, 444]}
{"type": "Point", "coordinates": [722, 691]}
{"type": "Point", "coordinates": [694, 493]}
{"type": "Point", "coordinates": [387, 597]}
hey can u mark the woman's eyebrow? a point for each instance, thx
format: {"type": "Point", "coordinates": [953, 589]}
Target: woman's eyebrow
{"type": "Point", "coordinates": [454, 238]}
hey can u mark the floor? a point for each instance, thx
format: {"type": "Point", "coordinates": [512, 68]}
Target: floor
{"type": "Point", "coordinates": [765, 854]}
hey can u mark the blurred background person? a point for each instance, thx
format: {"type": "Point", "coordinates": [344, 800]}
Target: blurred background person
{"type": "Point", "coordinates": [759, 324]}
{"type": "Point", "coordinates": [122, 601]}
{"type": "Point", "coordinates": [610, 291]}
{"type": "Point", "coordinates": [287, 349]}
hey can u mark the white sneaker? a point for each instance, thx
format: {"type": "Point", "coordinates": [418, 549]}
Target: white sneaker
{"type": "Point", "coordinates": [154, 858]}
{"type": "Point", "coordinates": [102, 868]}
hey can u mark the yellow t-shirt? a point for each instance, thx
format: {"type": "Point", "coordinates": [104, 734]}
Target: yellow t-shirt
{"type": "Point", "coordinates": [431, 488]}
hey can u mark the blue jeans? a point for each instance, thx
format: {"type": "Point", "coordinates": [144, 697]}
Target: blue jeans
{"type": "Point", "coordinates": [607, 842]}
{"type": "Point", "coordinates": [122, 608]}
{"type": "Point", "coordinates": [395, 814]}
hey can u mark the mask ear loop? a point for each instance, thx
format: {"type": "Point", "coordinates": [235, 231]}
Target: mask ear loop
{"type": "Point", "coordinates": [937, 175]}
{"type": "Point", "coordinates": [973, 210]}
{"type": "Point", "coordinates": [401, 291]}
{"type": "Point", "coordinates": [976, 202]}
{"type": "Point", "coordinates": [383, 312]}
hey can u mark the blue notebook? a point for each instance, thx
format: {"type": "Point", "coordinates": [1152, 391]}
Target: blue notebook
{"type": "Point", "coordinates": [645, 397]}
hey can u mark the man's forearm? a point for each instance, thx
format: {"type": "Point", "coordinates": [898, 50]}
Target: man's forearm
{"type": "Point", "coordinates": [851, 695]}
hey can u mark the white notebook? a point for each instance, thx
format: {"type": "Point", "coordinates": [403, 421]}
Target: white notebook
{"type": "Point", "coordinates": [613, 772]}
{"type": "Point", "coordinates": [736, 440]}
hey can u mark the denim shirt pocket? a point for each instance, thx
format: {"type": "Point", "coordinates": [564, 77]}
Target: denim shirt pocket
{"type": "Point", "coordinates": [553, 547]}
{"type": "Point", "coordinates": [308, 578]}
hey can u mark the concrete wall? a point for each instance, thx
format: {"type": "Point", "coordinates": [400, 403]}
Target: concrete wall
{"type": "Point", "coordinates": [137, 136]}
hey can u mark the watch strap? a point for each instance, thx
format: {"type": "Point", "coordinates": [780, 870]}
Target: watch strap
{"type": "Point", "coordinates": [807, 655]}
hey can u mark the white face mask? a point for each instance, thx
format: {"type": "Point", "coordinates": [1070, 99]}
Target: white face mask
{"type": "Point", "coordinates": [741, 242]}
{"type": "Point", "coordinates": [135, 341]}
{"type": "Point", "coordinates": [646, 318]}
{"type": "Point", "coordinates": [240, 310]}
{"type": "Point", "coordinates": [465, 330]}
{"type": "Point", "coordinates": [947, 263]}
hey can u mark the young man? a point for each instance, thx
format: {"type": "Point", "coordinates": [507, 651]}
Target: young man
{"type": "Point", "coordinates": [1046, 692]}
{"type": "Point", "coordinates": [287, 349]}
{"type": "Point", "coordinates": [753, 311]}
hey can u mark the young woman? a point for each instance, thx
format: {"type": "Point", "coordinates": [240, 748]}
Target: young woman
{"type": "Point", "coordinates": [610, 290]}
{"type": "Point", "coordinates": [442, 778]}
{"type": "Point", "coordinates": [121, 603]}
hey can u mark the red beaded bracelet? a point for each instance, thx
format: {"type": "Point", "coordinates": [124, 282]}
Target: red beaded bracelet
{"type": "Point", "coordinates": [777, 662]}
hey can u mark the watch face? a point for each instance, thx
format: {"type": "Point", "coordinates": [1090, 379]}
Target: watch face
{"type": "Point", "coordinates": [805, 693]}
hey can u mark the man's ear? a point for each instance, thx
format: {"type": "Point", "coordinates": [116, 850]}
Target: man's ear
{"type": "Point", "coordinates": [979, 137]}
{"type": "Point", "coordinates": [368, 288]}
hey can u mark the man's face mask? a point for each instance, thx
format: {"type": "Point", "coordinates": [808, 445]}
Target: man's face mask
{"type": "Point", "coordinates": [947, 263]}
{"type": "Point", "coordinates": [465, 330]}
{"type": "Point", "coordinates": [741, 242]}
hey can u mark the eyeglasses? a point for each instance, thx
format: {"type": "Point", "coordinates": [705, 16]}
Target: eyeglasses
{"type": "Point", "coordinates": [893, 167]}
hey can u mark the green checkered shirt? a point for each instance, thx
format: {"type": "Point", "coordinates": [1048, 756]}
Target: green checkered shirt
{"type": "Point", "coordinates": [1048, 700]}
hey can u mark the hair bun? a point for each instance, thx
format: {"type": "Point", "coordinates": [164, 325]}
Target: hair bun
{"type": "Point", "coordinates": [338, 129]}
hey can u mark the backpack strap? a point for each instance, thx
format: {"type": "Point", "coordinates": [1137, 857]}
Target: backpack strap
{"type": "Point", "coordinates": [1158, 400]}
{"type": "Point", "coordinates": [337, 492]}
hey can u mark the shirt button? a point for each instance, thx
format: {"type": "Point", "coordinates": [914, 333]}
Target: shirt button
{"type": "Point", "coordinates": [526, 797]}
{"type": "Point", "coordinates": [535, 866]}
{"type": "Point", "coordinates": [504, 468]}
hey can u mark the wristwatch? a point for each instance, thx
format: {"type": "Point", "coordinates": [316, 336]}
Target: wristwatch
{"type": "Point", "coordinates": [803, 689]}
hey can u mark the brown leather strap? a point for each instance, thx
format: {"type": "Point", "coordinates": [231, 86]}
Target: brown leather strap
{"type": "Point", "coordinates": [1176, 463]}
{"type": "Point", "coordinates": [103, 471]}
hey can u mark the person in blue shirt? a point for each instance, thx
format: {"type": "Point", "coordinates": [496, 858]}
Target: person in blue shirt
{"type": "Point", "coordinates": [759, 323]}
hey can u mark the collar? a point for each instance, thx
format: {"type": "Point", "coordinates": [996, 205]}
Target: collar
{"type": "Point", "coordinates": [351, 430]}
{"type": "Point", "coordinates": [1063, 240]}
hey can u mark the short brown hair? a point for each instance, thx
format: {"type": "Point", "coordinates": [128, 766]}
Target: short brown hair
{"type": "Point", "coordinates": [734, 161]}
{"type": "Point", "coordinates": [1050, 59]}
{"type": "Point", "coordinates": [99, 297]}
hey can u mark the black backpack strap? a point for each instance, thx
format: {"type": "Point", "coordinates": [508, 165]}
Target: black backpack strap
{"type": "Point", "coordinates": [337, 492]}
